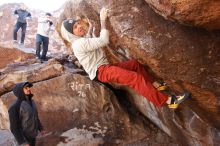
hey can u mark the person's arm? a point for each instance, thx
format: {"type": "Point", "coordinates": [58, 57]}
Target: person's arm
{"type": "Point", "coordinates": [29, 16]}
{"type": "Point", "coordinates": [103, 26]}
{"type": "Point", "coordinates": [90, 30]}
{"type": "Point", "coordinates": [15, 12]}
{"type": "Point", "coordinates": [40, 127]}
{"type": "Point", "coordinates": [89, 34]}
{"type": "Point", "coordinates": [15, 126]}
{"type": "Point", "coordinates": [90, 44]}
{"type": "Point", "coordinates": [44, 19]}
{"type": "Point", "coordinates": [50, 22]}
{"type": "Point", "coordinates": [41, 19]}
{"type": "Point", "coordinates": [93, 33]}
{"type": "Point", "coordinates": [103, 17]}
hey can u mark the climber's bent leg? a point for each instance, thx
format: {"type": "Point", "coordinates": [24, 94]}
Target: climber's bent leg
{"type": "Point", "coordinates": [137, 81]}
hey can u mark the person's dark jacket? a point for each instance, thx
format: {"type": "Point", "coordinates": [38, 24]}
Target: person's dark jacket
{"type": "Point", "coordinates": [22, 15]}
{"type": "Point", "coordinates": [23, 116]}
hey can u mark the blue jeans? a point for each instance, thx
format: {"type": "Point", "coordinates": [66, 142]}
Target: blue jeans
{"type": "Point", "coordinates": [44, 41]}
{"type": "Point", "coordinates": [23, 27]}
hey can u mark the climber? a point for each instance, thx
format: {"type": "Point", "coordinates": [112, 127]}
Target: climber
{"type": "Point", "coordinates": [23, 116]}
{"type": "Point", "coordinates": [22, 16]}
{"type": "Point", "coordinates": [92, 58]}
{"type": "Point", "coordinates": [42, 37]}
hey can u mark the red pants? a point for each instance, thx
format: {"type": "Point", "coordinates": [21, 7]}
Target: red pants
{"type": "Point", "coordinates": [131, 73]}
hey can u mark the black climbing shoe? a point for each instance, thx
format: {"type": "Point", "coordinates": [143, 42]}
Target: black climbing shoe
{"type": "Point", "coordinates": [176, 100]}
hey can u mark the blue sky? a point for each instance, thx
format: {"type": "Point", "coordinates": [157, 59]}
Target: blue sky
{"type": "Point", "coordinates": [45, 5]}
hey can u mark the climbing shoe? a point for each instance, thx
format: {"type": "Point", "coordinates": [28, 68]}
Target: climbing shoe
{"type": "Point", "coordinates": [173, 103]}
{"type": "Point", "coordinates": [160, 86]}
{"type": "Point", "coordinates": [163, 87]}
{"type": "Point", "coordinates": [176, 100]}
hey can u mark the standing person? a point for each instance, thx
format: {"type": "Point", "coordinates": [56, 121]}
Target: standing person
{"type": "Point", "coordinates": [42, 37]}
{"type": "Point", "coordinates": [129, 73]}
{"type": "Point", "coordinates": [23, 116]}
{"type": "Point", "coordinates": [23, 15]}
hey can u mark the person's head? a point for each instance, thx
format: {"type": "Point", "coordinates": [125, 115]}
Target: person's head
{"type": "Point", "coordinates": [23, 7]}
{"type": "Point", "coordinates": [22, 90]}
{"type": "Point", "coordinates": [27, 88]}
{"type": "Point", "coordinates": [48, 15]}
{"type": "Point", "coordinates": [78, 27]}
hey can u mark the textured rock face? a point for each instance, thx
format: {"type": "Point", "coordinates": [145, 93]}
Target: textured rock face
{"type": "Point", "coordinates": [33, 72]}
{"type": "Point", "coordinates": [9, 55]}
{"type": "Point", "coordinates": [189, 56]}
{"type": "Point", "coordinates": [202, 13]}
{"type": "Point", "coordinates": [196, 122]}
{"type": "Point", "coordinates": [7, 22]}
{"type": "Point", "coordinates": [6, 138]}
{"type": "Point", "coordinates": [86, 110]}
{"type": "Point", "coordinates": [172, 51]}
{"type": "Point", "coordinates": [73, 109]}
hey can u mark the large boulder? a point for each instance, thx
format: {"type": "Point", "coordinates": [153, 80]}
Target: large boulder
{"type": "Point", "coordinates": [172, 51]}
{"type": "Point", "coordinates": [176, 53]}
{"type": "Point", "coordinates": [202, 13]}
{"type": "Point", "coordinates": [12, 55]}
{"type": "Point", "coordinates": [31, 70]}
{"type": "Point", "coordinates": [74, 109]}
{"type": "Point", "coordinates": [196, 122]}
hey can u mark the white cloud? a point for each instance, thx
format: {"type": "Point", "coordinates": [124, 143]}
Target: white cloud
{"type": "Point", "coordinates": [45, 5]}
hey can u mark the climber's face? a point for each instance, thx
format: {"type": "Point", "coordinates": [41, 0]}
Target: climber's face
{"type": "Point", "coordinates": [80, 28]}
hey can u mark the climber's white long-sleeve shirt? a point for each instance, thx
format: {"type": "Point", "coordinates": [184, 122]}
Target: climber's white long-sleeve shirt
{"type": "Point", "coordinates": [89, 53]}
{"type": "Point", "coordinates": [88, 50]}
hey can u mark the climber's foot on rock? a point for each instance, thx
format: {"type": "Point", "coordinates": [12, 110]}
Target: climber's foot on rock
{"type": "Point", "coordinates": [176, 100]}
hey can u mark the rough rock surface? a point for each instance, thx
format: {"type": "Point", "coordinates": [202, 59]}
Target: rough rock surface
{"type": "Point", "coordinates": [172, 51]}
{"type": "Point", "coordinates": [6, 138]}
{"type": "Point", "coordinates": [74, 109]}
{"type": "Point", "coordinates": [30, 70]}
{"type": "Point", "coordinates": [202, 13]}
{"type": "Point", "coordinates": [11, 55]}
{"type": "Point", "coordinates": [187, 58]}
{"type": "Point", "coordinates": [193, 123]}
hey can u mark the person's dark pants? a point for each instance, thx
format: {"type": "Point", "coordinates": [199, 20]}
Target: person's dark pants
{"type": "Point", "coordinates": [41, 40]}
{"type": "Point", "coordinates": [31, 141]}
{"type": "Point", "coordinates": [23, 27]}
